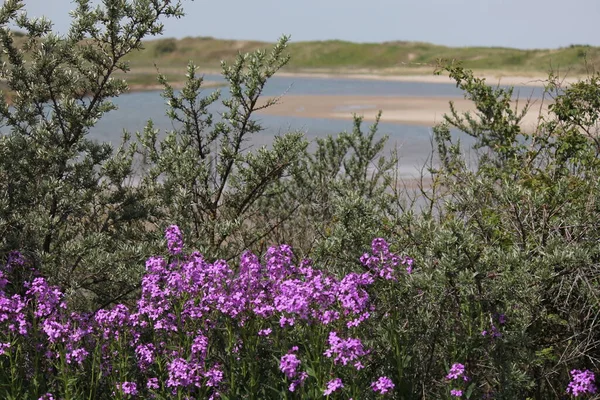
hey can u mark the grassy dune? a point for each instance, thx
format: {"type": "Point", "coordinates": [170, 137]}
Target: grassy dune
{"type": "Point", "coordinates": [339, 57]}
{"type": "Point", "coordinates": [385, 58]}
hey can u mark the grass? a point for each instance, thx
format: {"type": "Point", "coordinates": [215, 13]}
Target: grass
{"type": "Point", "coordinates": [171, 56]}
{"type": "Point", "coordinates": [384, 58]}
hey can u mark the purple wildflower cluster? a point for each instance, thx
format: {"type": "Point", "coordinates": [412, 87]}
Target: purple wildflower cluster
{"type": "Point", "coordinates": [582, 383]}
{"type": "Point", "coordinates": [345, 351]}
{"type": "Point", "coordinates": [494, 331]}
{"type": "Point", "coordinates": [384, 263]}
{"type": "Point", "coordinates": [174, 239]}
{"type": "Point", "coordinates": [169, 333]}
{"type": "Point", "coordinates": [289, 364]}
{"type": "Point", "coordinates": [382, 385]}
{"type": "Point", "coordinates": [457, 373]}
{"type": "Point", "coordinates": [333, 385]}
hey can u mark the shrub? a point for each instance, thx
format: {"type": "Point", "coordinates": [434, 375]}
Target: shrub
{"type": "Point", "coordinates": [66, 201]}
{"type": "Point", "coordinates": [510, 246]}
{"type": "Point", "coordinates": [165, 46]}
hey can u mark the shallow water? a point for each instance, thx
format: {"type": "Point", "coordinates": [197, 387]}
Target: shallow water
{"type": "Point", "coordinates": [412, 142]}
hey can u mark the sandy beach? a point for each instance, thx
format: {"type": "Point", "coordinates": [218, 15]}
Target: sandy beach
{"type": "Point", "coordinates": [425, 111]}
{"type": "Point", "coordinates": [136, 87]}
{"type": "Point", "coordinates": [494, 79]}
{"type": "Point", "coordinates": [422, 75]}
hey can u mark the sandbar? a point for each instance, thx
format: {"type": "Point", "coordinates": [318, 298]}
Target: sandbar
{"type": "Point", "coordinates": [424, 111]}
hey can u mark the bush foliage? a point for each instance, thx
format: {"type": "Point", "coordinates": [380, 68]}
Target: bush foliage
{"type": "Point", "coordinates": [499, 298]}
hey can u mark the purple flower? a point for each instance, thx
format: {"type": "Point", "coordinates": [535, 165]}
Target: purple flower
{"type": "Point", "coordinates": [4, 347]}
{"type": "Point", "coordinates": [379, 245]}
{"type": "Point", "coordinates": [333, 385]}
{"type": "Point", "coordinates": [200, 346]}
{"type": "Point", "coordinates": [502, 319]}
{"type": "Point", "coordinates": [456, 371]}
{"type": "Point", "coordinates": [47, 396]}
{"type": "Point", "coordinates": [15, 259]}
{"type": "Point", "coordinates": [493, 332]}
{"type": "Point", "coordinates": [384, 263]}
{"type": "Point", "coordinates": [288, 364]}
{"type": "Point", "coordinates": [265, 332]}
{"type": "Point", "coordinates": [145, 355]}
{"type": "Point", "coordinates": [152, 383]}
{"type": "Point", "coordinates": [12, 310]}
{"type": "Point", "coordinates": [456, 392]}
{"type": "Point", "coordinates": [183, 374]}
{"type": "Point", "coordinates": [129, 388]}
{"type": "Point", "coordinates": [582, 382]}
{"type": "Point", "coordinates": [214, 376]}
{"type": "Point", "coordinates": [345, 351]}
{"type": "Point", "coordinates": [48, 298]}
{"type": "Point", "coordinates": [174, 239]}
{"type": "Point", "coordinates": [298, 382]}
{"type": "Point", "coordinates": [409, 264]}
{"type": "Point", "coordinates": [56, 331]}
{"type": "Point", "coordinates": [382, 385]}
{"type": "Point", "coordinates": [77, 356]}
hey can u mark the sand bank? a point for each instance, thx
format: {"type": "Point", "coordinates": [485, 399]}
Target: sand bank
{"type": "Point", "coordinates": [493, 79]}
{"type": "Point", "coordinates": [422, 75]}
{"type": "Point", "coordinates": [426, 111]}
{"type": "Point", "coordinates": [136, 87]}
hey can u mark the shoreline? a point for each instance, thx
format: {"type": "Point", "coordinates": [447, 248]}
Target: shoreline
{"type": "Point", "coordinates": [156, 87]}
{"type": "Point", "coordinates": [413, 75]}
{"type": "Point", "coordinates": [417, 76]}
{"type": "Point", "coordinates": [423, 111]}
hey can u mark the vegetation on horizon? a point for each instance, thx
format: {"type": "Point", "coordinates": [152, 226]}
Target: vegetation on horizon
{"type": "Point", "coordinates": [389, 57]}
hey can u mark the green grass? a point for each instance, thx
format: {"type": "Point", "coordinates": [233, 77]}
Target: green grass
{"type": "Point", "coordinates": [390, 57]}
{"type": "Point", "coordinates": [334, 56]}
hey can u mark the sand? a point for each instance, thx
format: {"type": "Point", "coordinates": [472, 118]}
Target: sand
{"type": "Point", "coordinates": [509, 80]}
{"type": "Point", "coordinates": [425, 111]}
{"type": "Point", "coordinates": [137, 87]}
{"type": "Point", "coordinates": [422, 75]}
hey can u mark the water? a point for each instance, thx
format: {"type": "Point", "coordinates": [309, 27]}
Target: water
{"type": "Point", "coordinates": [412, 142]}
{"type": "Point", "coordinates": [366, 87]}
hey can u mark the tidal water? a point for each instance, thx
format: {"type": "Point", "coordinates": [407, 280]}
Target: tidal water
{"type": "Point", "coordinates": [413, 143]}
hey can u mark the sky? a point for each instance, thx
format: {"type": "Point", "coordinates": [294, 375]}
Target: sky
{"type": "Point", "coordinates": [523, 24]}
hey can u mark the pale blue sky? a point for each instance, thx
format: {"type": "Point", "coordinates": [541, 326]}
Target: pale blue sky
{"type": "Point", "coordinates": [507, 23]}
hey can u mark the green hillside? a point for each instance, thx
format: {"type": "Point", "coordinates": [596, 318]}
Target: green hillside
{"type": "Point", "coordinates": [390, 57]}
{"type": "Point", "coordinates": [334, 56]}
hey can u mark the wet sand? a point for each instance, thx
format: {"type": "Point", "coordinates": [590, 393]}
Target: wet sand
{"type": "Point", "coordinates": [494, 79]}
{"type": "Point", "coordinates": [422, 75]}
{"type": "Point", "coordinates": [140, 87]}
{"type": "Point", "coordinates": [424, 111]}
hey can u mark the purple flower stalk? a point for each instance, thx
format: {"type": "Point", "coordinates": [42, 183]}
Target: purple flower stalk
{"type": "Point", "coordinates": [333, 385]}
{"type": "Point", "coordinates": [582, 382]}
{"type": "Point", "coordinates": [345, 351]}
{"type": "Point", "coordinates": [409, 264]}
{"type": "Point", "coordinates": [152, 383]}
{"type": "Point", "coordinates": [457, 370]}
{"type": "Point", "coordinates": [382, 385]}
{"type": "Point", "coordinates": [265, 332]}
{"type": "Point", "coordinates": [288, 364]}
{"type": "Point", "coordinates": [174, 239]}
{"type": "Point", "coordinates": [128, 388]}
